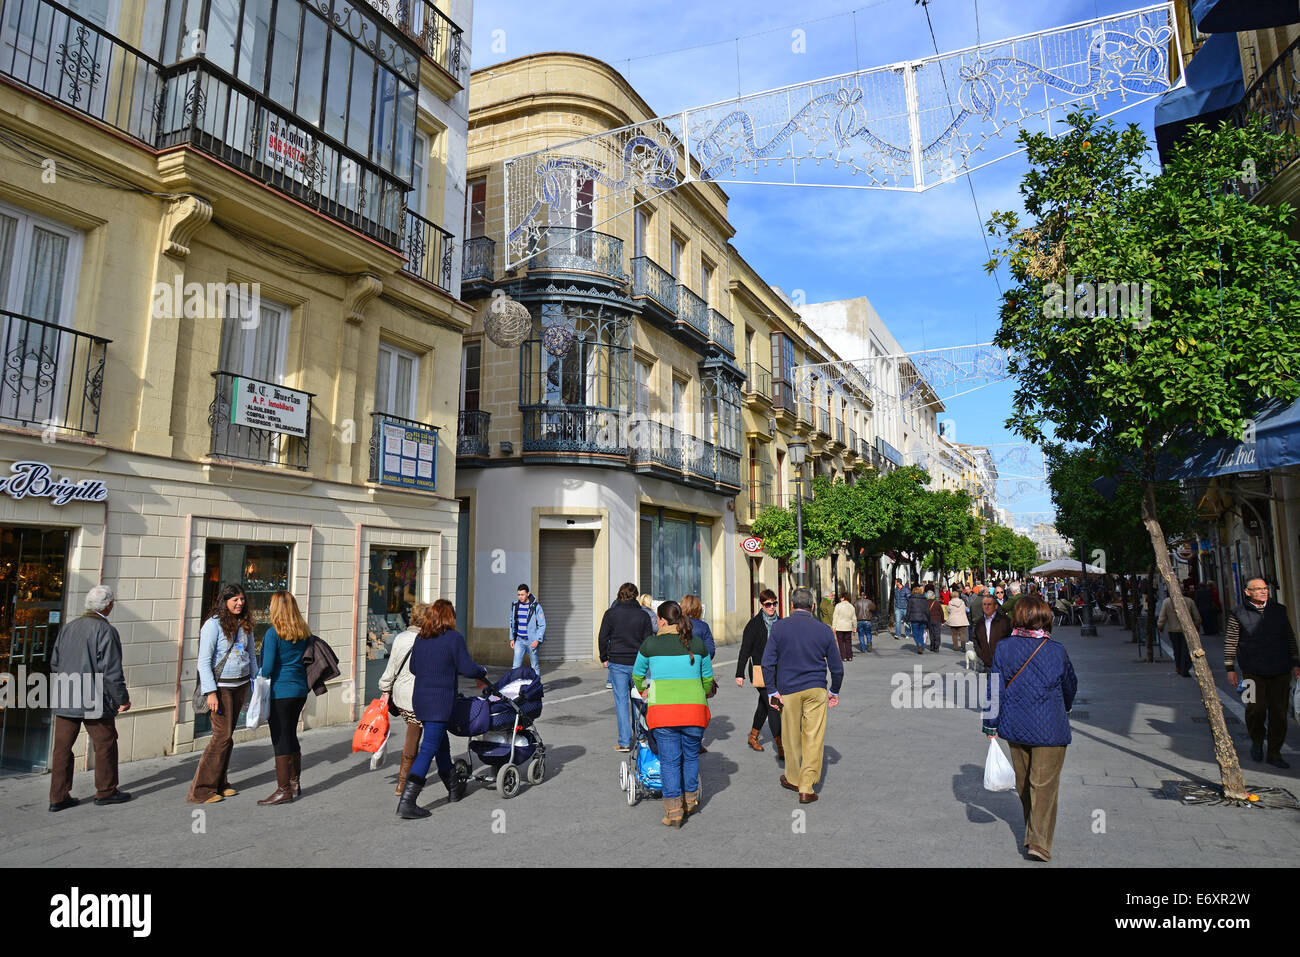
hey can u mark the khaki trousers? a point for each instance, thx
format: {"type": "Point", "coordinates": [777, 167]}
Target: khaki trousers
{"type": "Point", "coordinates": [959, 637]}
{"type": "Point", "coordinates": [803, 732]}
{"type": "Point", "coordinates": [210, 775]}
{"type": "Point", "coordinates": [1038, 780]}
{"type": "Point", "coordinates": [103, 740]}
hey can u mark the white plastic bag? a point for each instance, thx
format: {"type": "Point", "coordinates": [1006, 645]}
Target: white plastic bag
{"type": "Point", "coordinates": [259, 705]}
{"type": "Point", "coordinates": [377, 759]}
{"type": "Point", "coordinates": [1294, 708]}
{"type": "Point", "coordinates": [999, 775]}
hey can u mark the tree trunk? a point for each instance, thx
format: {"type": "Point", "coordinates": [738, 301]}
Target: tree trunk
{"type": "Point", "coordinates": [1225, 753]}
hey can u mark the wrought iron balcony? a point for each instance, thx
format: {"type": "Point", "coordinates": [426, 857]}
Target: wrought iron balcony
{"type": "Point", "coordinates": [472, 434]}
{"type": "Point", "coordinates": [479, 259]}
{"type": "Point", "coordinates": [428, 251]}
{"type": "Point", "coordinates": [653, 282]}
{"type": "Point", "coordinates": [760, 495]}
{"type": "Point", "coordinates": [440, 39]}
{"type": "Point", "coordinates": [569, 249]}
{"type": "Point", "coordinates": [656, 445]}
{"type": "Point", "coordinates": [699, 458]}
{"type": "Point", "coordinates": [721, 332]}
{"type": "Point", "coordinates": [824, 422]}
{"type": "Point", "coordinates": [249, 444]}
{"type": "Point", "coordinates": [692, 310]}
{"type": "Point", "coordinates": [1274, 98]}
{"type": "Point", "coordinates": [52, 377]}
{"type": "Point", "coordinates": [864, 449]}
{"type": "Point", "coordinates": [727, 471]}
{"type": "Point", "coordinates": [783, 398]}
{"type": "Point", "coordinates": [839, 431]}
{"type": "Point", "coordinates": [852, 446]}
{"type": "Point", "coordinates": [567, 430]}
{"type": "Point", "coordinates": [758, 382]}
{"type": "Point", "coordinates": [207, 108]}
{"type": "Point", "coordinates": [403, 452]}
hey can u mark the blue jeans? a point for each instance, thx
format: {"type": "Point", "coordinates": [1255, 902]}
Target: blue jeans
{"type": "Point", "coordinates": [899, 614]}
{"type": "Point", "coordinates": [919, 631]}
{"type": "Point", "coordinates": [679, 759]}
{"type": "Point", "coordinates": [521, 646]}
{"type": "Point", "coordinates": [621, 677]}
{"type": "Point", "coordinates": [864, 635]}
{"type": "Point", "coordinates": [433, 746]}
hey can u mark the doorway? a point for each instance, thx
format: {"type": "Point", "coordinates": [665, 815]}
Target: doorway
{"type": "Point", "coordinates": [33, 569]}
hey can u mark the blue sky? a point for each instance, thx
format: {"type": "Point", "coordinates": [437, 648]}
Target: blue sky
{"type": "Point", "coordinates": [918, 257]}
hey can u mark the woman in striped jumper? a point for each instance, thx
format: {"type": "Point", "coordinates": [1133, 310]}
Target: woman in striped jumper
{"type": "Point", "coordinates": [677, 663]}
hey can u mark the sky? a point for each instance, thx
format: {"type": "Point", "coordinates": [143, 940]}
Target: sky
{"type": "Point", "coordinates": [919, 257]}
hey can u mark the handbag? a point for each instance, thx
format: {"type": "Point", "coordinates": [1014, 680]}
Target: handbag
{"type": "Point", "coordinates": [200, 699]}
{"type": "Point", "coordinates": [756, 677]}
{"type": "Point", "coordinates": [392, 708]}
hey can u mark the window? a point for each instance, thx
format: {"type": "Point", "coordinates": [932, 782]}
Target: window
{"type": "Point", "coordinates": [471, 360]}
{"type": "Point", "coordinates": [679, 403]}
{"type": "Point", "coordinates": [779, 493]}
{"type": "Point", "coordinates": [641, 409]}
{"type": "Point", "coordinates": [311, 69]}
{"type": "Point", "coordinates": [397, 382]}
{"type": "Point", "coordinates": [284, 54]}
{"type": "Point", "coordinates": [31, 39]}
{"type": "Point", "coordinates": [675, 262]}
{"type": "Point", "coordinates": [706, 282]}
{"type": "Point", "coordinates": [476, 208]}
{"type": "Point", "coordinates": [638, 232]}
{"type": "Point", "coordinates": [417, 198]}
{"type": "Point", "coordinates": [254, 346]}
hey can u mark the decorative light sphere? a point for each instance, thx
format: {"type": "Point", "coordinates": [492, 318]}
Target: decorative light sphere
{"type": "Point", "coordinates": [507, 322]}
{"type": "Point", "coordinates": [558, 340]}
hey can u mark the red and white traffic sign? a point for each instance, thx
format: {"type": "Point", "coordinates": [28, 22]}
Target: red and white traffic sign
{"type": "Point", "coordinates": [751, 544]}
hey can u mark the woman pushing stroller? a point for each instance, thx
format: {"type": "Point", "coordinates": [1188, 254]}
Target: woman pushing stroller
{"type": "Point", "coordinates": [675, 666]}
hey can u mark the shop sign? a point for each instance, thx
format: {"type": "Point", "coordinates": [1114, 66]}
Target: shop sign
{"type": "Point", "coordinates": [289, 149]}
{"type": "Point", "coordinates": [272, 408]}
{"type": "Point", "coordinates": [410, 455]}
{"type": "Point", "coordinates": [751, 544]}
{"type": "Point", "coordinates": [34, 480]}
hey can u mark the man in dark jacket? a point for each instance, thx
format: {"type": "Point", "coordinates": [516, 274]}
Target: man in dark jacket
{"type": "Point", "coordinates": [89, 689]}
{"type": "Point", "coordinates": [622, 630]}
{"type": "Point", "coordinates": [1260, 643]}
{"type": "Point", "coordinates": [987, 630]}
{"type": "Point", "coordinates": [799, 652]}
{"type": "Point", "coordinates": [918, 616]}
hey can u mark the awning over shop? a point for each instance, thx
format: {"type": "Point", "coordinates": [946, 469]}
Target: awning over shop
{"type": "Point", "coordinates": [1276, 443]}
{"type": "Point", "coordinates": [1229, 16]}
{"type": "Point", "coordinates": [1214, 87]}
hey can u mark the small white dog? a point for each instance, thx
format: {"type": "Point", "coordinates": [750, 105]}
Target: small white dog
{"type": "Point", "coordinates": [971, 658]}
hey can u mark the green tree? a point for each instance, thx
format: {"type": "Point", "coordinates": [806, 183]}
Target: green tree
{"type": "Point", "coordinates": [1215, 327]}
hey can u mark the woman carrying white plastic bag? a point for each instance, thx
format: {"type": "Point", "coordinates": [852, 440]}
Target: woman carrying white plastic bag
{"type": "Point", "coordinates": [259, 705]}
{"type": "Point", "coordinates": [999, 775]}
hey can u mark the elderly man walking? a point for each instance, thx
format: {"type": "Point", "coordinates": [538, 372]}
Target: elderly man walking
{"type": "Point", "coordinates": [799, 651]}
{"type": "Point", "coordinates": [1260, 643]}
{"type": "Point", "coordinates": [86, 666]}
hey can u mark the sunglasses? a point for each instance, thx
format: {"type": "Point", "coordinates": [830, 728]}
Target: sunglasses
{"type": "Point", "coordinates": [769, 604]}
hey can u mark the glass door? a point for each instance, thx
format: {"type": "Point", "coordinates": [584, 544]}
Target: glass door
{"type": "Point", "coordinates": [33, 567]}
{"type": "Point", "coordinates": [394, 589]}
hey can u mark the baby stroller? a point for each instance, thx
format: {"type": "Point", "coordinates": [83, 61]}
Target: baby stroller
{"type": "Point", "coordinates": [639, 774]}
{"type": "Point", "coordinates": [499, 724]}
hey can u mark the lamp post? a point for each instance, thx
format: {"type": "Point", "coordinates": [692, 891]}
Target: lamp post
{"type": "Point", "coordinates": [984, 560]}
{"type": "Point", "coordinates": [1087, 629]}
{"type": "Point", "coordinates": [798, 451]}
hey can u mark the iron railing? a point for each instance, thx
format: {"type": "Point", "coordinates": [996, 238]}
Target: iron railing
{"type": "Point", "coordinates": [651, 280]}
{"type": "Point", "coordinates": [864, 450]}
{"type": "Point", "coordinates": [248, 444]}
{"type": "Point", "coordinates": [472, 434]}
{"type": "Point", "coordinates": [52, 377]}
{"type": "Point", "coordinates": [1274, 98]}
{"type": "Point", "coordinates": [698, 456]}
{"type": "Point", "coordinates": [568, 429]}
{"type": "Point", "coordinates": [760, 494]}
{"type": "Point", "coordinates": [692, 310]}
{"type": "Point", "coordinates": [824, 422]}
{"type": "Point", "coordinates": [839, 431]}
{"type": "Point", "coordinates": [805, 410]}
{"type": "Point", "coordinates": [783, 396]}
{"type": "Point", "coordinates": [478, 259]}
{"type": "Point", "coordinates": [758, 381]}
{"type": "Point", "coordinates": [425, 474]}
{"type": "Point", "coordinates": [721, 332]}
{"type": "Point", "coordinates": [653, 443]}
{"type": "Point", "coordinates": [727, 469]}
{"type": "Point", "coordinates": [439, 38]}
{"type": "Point", "coordinates": [428, 250]}
{"type": "Point", "coordinates": [567, 248]}
{"type": "Point", "coordinates": [853, 442]}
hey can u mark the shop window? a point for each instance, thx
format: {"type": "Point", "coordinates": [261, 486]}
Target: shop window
{"type": "Point", "coordinates": [675, 556]}
{"type": "Point", "coordinates": [394, 589]}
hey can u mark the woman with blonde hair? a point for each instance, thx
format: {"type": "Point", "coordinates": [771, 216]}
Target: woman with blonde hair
{"type": "Point", "coordinates": [282, 648]}
{"type": "Point", "coordinates": [397, 684]}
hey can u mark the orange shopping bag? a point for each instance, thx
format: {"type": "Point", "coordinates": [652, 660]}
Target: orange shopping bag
{"type": "Point", "coordinates": [373, 729]}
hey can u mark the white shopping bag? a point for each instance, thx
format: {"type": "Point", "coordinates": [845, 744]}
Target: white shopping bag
{"type": "Point", "coordinates": [1294, 707]}
{"type": "Point", "coordinates": [259, 705]}
{"type": "Point", "coordinates": [999, 775]}
{"type": "Point", "coordinates": [377, 759]}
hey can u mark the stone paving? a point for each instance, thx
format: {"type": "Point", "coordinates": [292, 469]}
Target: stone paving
{"type": "Point", "coordinates": [902, 786]}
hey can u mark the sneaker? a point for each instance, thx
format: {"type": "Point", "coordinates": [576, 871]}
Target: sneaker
{"type": "Point", "coordinates": [1277, 762]}
{"type": "Point", "coordinates": [622, 748]}
{"type": "Point", "coordinates": [1257, 752]}
{"type": "Point", "coordinates": [117, 797]}
{"type": "Point", "coordinates": [66, 803]}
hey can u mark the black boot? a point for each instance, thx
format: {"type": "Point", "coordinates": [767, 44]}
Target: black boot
{"type": "Point", "coordinates": [407, 809]}
{"type": "Point", "coordinates": [454, 785]}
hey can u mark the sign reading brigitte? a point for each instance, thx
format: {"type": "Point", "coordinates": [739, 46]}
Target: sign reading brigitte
{"type": "Point", "coordinates": [33, 479]}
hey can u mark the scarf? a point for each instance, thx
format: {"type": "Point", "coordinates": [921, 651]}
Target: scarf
{"type": "Point", "coordinates": [1031, 633]}
{"type": "Point", "coordinates": [767, 620]}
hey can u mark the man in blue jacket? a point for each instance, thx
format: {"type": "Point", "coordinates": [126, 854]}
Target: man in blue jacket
{"type": "Point", "coordinates": [799, 651]}
{"type": "Point", "coordinates": [527, 627]}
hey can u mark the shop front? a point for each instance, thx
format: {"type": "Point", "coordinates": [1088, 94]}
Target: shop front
{"type": "Point", "coordinates": [395, 576]}
{"type": "Point", "coordinates": [675, 560]}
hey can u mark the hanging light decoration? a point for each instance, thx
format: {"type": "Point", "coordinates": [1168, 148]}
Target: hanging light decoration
{"type": "Point", "coordinates": [507, 322]}
{"type": "Point", "coordinates": [558, 340]}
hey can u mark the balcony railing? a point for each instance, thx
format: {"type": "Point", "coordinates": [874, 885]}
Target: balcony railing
{"type": "Point", "coordinates": [439, 38]}
{"type": "Point", "coordinates": [727, 472]}
{"type": "Point", "coordinates": [207, 108]}
{"type": "Point", "coordinates": [721, 332]}
{"type": "Point", "coordinates": [653, 443]}
{"type": "Point", "coordinates": [51, 377]}
{"type": "Point", "coordinates": [760, 494]}
{"type": "Point", "coordinates": [692, 310]}
{"type": "Point", "coordinates": [864, 449]}
{"type": "Point", "coordinates": [48, 48]}
{"type": "Point", "coordinates": [567, 248]}
{"type": "Point", "coordinates": [699, 457]}
{"type": "Point", "coordinates": [248, 444]}
{"type": "Point", "coordinates": [479, 259]}
{"type": "Point", "coordinates": [428, 251]}
{"type": "Point", "coordinates": [651, 280]}
{"type": "Point", "coordinates": [853, 442]}
{"type": "Point", "coordinates": [758, 381]}
{"type": "Point", "coordinates": [839, 431]}
{"type": "Point", "coordinates": [1274, 98]}
{"type": "Point", "coordinates": [472, 434]}
{"type": "Point", "coordinates": [783, 396]}
{"type": "Point", "coordinates": [403, 452]}
{"type": "Point", "coordinates": [824, 422]}
{"type": "Point", "coordinates": [573, 429]}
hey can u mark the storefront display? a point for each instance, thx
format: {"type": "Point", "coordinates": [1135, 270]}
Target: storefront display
{"type": "Point", "coordinates": [394, 576]}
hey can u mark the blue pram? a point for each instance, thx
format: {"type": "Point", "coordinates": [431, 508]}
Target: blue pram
{"type": "Point", "coordinates": [499, 724]}
{"type": "Point", "coordinates": [639, 775]}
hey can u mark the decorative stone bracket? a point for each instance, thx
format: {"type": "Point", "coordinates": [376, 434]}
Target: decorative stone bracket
{"type": "Point", "coordinates": [186, 215]}
{"type": "Point", "coordinates": [361, 290]}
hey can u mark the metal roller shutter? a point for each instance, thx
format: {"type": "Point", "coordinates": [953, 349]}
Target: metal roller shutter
{"type": "Point", "coordinates": [565, 591]}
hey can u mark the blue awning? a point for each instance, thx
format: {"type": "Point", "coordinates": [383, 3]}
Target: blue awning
{"type": "Point", "coordinates": [1276, 444]}
{"type": "Point", "coordinates": [1229, 16]}
{"type": "Point", "coordinates": [1214, 87]}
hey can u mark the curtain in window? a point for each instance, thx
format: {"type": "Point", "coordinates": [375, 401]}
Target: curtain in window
{"type": "Point", "coordinates": [8, 239]}
{"type": "Point", "coordinates": [43, 297]}
{"type": "Point", "coordinates": [253, 352]}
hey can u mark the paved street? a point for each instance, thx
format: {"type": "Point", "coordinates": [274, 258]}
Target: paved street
{"type": "Point", "coordinates": [901, 787]}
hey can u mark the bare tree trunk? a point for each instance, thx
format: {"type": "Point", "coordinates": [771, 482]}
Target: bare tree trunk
{"type": "Point", "coordinates": [1225, 753]}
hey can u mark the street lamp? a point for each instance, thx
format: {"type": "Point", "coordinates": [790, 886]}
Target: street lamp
{"type": "Point", "coordinates": [1086, 629]}
{"type": "Point", "coordinates": [984, 560]}
{"type": "Point", "coordinates": [798, 451]}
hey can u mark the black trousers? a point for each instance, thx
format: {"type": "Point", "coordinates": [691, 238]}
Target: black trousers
{"type": "Point", "coordinates": [1271, 692]}
{"type": "Point", "coordinates": [765, 710]}
{"type": "Point", "coordinates": [1182, 657]}
{"type": "Point", "coordinates": [284, 724]}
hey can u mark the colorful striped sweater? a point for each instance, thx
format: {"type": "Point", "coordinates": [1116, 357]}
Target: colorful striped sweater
{"type": "Point", "coordinates": [679, 686]}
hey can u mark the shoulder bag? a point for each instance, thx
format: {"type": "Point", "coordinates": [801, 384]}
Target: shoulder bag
{"type": "Point", "coordinates": [201, 699]}
{"type": "Point", "coordinates": [392, 708]}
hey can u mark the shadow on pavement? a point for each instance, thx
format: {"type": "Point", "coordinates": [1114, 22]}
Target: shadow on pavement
{"type": "Point", "coordinates": [559, 684]}
{"type": "Point", "coordinates": [985, 807]}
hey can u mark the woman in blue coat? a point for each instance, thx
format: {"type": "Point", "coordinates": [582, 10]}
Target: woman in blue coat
{"type": "Point", "coordinates": [1032, 687]}
{"type": "Point", "coordinates": [437, 658]}
{"type": "Point", "coordinates": [282, 648]}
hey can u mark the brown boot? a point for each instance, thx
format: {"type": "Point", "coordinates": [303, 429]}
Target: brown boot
{"type": "Point", "coordinates": [753, 740]}
{"type": "Point", "coordinates": [780, 751]}
{"type": "Point", "coordinates": [691, 801]}
{"type": "Point", "coordinates": [296, 774]}
{"type": "Point", "coordinates": [402, 772]}
{"type": "Point", "coordinates": [283, 792]}
{"type": "Point", "coordinates": [674, 812]}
